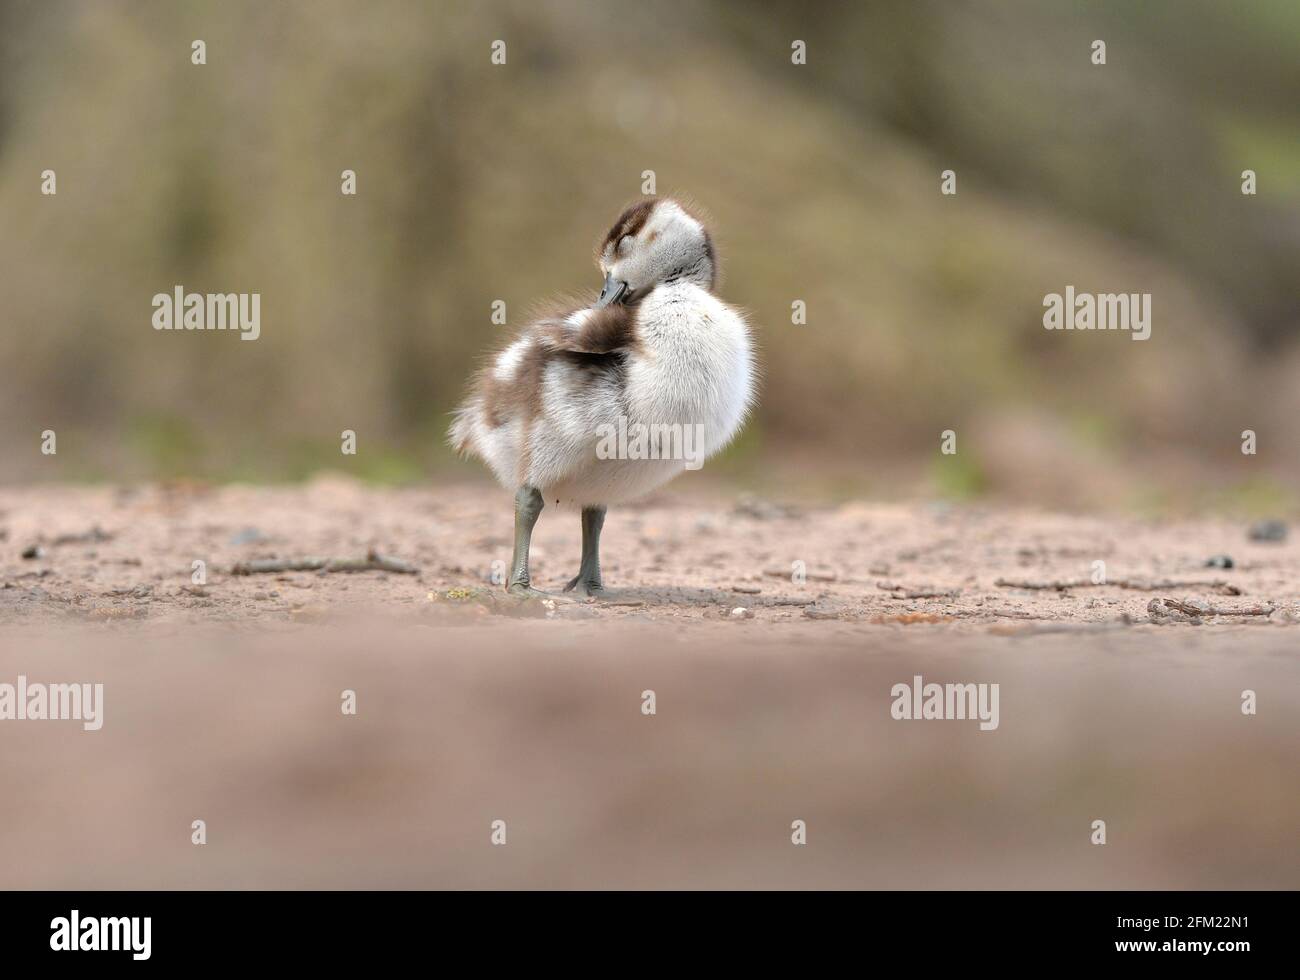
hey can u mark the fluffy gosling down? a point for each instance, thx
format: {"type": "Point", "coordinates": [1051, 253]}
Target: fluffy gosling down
{"type": "Point", "coordinates": [605, 403]}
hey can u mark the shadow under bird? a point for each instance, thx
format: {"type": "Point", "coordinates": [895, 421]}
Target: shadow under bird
{"type": "Point", "coordinates": [658, 358]}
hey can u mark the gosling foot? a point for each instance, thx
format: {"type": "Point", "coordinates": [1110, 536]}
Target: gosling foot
{"type": "Point", "coordinates": [522, 590]}
{"type": "Point", "coordinates": [586, 587]}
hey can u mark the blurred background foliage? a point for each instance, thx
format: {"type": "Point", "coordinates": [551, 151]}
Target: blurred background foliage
{"type": "Point", "coordinates": [479, 182]}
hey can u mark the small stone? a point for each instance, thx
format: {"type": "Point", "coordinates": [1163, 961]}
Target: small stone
{"type": "Point", "coordinates": [248, 535]}
{"type": "Point", "coordinates": [820, 612]}
{"type": "Point", "coordinates": [1219, 561]}
{"type": "Point", "coordinates": [1268, 530]}
{"type": "Point", "coordinates": [33, 551]}
{"type": "Point", "coordinates": [740, 612]}
{"type": "Point", "coordinates": [750, 505]}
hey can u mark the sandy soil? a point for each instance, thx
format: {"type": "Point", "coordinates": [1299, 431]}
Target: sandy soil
{"type": "Point", "coordinates": [222, 702]}
{"type": "Point", "coordinates": [109, 554]}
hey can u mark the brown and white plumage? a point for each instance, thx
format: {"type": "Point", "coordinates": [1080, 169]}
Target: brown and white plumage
{"type": "Point", "coordinates": [666, 352]}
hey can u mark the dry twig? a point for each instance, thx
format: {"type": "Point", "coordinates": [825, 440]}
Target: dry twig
{"type": "Point", "coordinates": [1197, 607]}
{"type": "Point", "coordinates": [372, 562]}
{"type": "Point", "coordinates": [1137, 584]}
{"type": "Point", "coordinates": [897, 591]}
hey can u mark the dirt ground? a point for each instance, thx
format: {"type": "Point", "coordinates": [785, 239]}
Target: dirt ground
{"type": "Point", "coordinates": [104, 554]}
{"type": "Point", "coordinates": [222, 700]}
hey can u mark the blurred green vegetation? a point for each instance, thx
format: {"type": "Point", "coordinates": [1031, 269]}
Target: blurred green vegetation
{"type": "Point", "coordinates": [479, 182]}
{"type": "Point", "coordinates": [959, 476]}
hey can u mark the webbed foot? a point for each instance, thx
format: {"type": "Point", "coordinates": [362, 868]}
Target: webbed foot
{"type": "Point", "coordinates": [522, 590]}
{"type": "Point", "coordinates": [586, 587]}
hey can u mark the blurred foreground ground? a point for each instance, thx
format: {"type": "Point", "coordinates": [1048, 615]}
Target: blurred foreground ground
{"type": "Point", "coordinates": [224, 706]}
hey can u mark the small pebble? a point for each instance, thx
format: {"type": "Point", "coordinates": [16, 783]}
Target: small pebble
{"type": "Point", "coordinates": [248, 535]}
{"type": "Point", "coordinates": [819, 612]}
{"type": "Point", "coordinates": [740, 612]}
{"type": "Point", "coordinates": [1219, 561]}
{"type": "Point", "coordinates": [1269, 530]}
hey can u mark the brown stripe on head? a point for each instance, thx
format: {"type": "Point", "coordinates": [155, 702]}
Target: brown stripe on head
{"type": "Point", "coordinates": [630, 221]}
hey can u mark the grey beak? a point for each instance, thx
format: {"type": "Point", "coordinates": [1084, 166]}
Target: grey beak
{"type": "Point", "coordinates": [612, 292]}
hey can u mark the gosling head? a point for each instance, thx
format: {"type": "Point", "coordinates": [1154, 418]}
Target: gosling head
{"type": "Point", "coordinates": [654, 241]}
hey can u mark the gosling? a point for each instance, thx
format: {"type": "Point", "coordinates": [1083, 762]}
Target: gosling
{"type": "Point", "coordinates": [605, 403]}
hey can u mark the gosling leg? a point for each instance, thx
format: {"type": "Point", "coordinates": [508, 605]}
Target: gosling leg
{"type": "Point", "coordinates": [588, 582]}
